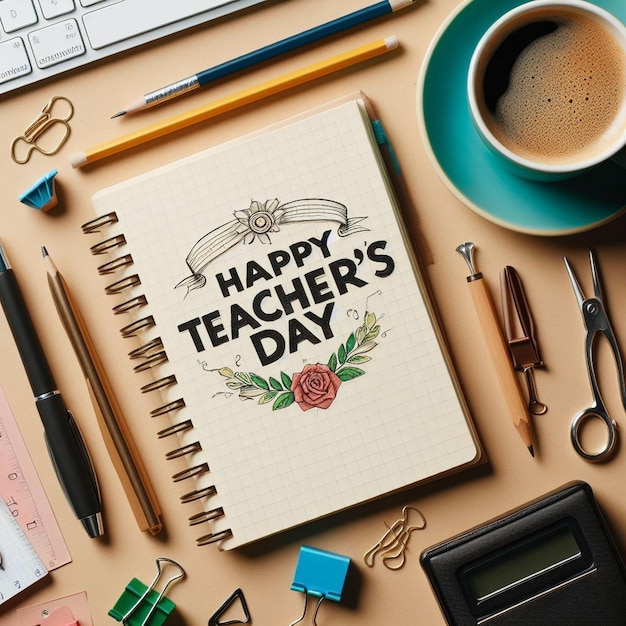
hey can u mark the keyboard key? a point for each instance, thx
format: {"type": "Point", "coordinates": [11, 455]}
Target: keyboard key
{"type": "Point", "coordinates": [88, 3]}
{"type": "Point", "coordinates": [53, 8]}
{"type": "Point", "coordinates": [116, 22]}
{"type": "Point", "coordinates": [57, 43]}
{"type": "Point", "coordinates": [16, 14]}
{"type": "Point", "coordinates": [13, 60]}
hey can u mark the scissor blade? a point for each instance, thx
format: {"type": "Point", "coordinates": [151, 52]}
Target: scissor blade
{"type": "Point", "coordinates": [595, 275]}
{"type": "Point", "coordinates": [578, 292]}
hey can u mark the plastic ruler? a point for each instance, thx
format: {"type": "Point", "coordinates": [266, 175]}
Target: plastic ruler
{"type": "Point", "coordinates": [23, 492]}
{"type": "Point", "coordinates": [21, 566]}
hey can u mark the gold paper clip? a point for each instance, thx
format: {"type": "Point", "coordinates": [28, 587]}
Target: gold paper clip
{"type": "Point", "coordinates": [393, 544]}
{"type": "Point", "coordinates": [23, 146]}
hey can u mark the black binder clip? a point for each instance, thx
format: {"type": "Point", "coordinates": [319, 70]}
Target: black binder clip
{"type": "Point", "coordinates": [214, 620]}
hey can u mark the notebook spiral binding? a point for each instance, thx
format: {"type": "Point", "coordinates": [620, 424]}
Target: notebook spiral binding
{"type": "Point", "coordinates": [150, 355]}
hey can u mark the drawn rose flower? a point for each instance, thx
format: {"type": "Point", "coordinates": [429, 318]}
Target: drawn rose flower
{"type": "Point", "coordinates": [315, 387]}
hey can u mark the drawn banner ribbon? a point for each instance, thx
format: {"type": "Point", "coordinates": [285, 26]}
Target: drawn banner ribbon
{"type": "Point", "coordinates": [256, 222]}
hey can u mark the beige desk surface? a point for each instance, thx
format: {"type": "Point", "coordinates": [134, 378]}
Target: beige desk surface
{"type": "Point", "coordinates": [102, 568]}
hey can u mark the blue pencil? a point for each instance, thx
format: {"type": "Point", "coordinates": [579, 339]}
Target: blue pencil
{"type": "Point", "coordinates": [270, 51]}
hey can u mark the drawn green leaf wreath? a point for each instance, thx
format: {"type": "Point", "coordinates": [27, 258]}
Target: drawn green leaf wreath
{"type": "Point", "coordinates": [317, 384]}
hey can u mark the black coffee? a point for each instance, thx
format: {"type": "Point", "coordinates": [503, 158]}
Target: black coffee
{"type": "Point", "coordinates": [554, 88]}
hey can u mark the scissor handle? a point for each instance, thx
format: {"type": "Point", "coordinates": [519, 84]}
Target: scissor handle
{"type": "Point", "coordinates": [594, 412]}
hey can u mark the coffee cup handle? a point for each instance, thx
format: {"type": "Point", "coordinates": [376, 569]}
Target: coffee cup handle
{"type": "Point", "coordinates": [620, 158]}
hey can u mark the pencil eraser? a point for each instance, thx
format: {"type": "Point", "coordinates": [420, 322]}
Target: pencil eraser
{"type": "Point", "coordinates": [392, 42]}
{"type": "Point", "coordinates": [78, 160]}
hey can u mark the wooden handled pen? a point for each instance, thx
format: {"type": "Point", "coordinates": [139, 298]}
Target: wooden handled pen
{"type": "Point", "coordinates": [116, 434]}
{"type": "Point", "coordinates": [485, 309]}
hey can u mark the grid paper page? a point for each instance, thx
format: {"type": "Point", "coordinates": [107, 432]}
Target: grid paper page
{"type": "Point", "coordinates": [287, 302]}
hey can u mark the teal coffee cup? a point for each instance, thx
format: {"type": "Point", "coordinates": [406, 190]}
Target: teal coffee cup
{"type": "Point", "coordinates": [547, 88]}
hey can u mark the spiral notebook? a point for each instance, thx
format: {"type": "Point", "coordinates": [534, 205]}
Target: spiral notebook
{"type": "Point", "coordinates": [299, 362]}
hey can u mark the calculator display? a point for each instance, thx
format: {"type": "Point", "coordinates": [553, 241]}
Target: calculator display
{"type": "Point", "coordinates": [529, 566]}
{"type": "Point", "coordinates": [516, 566]}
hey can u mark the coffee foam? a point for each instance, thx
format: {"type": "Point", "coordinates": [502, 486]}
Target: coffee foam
{"type": "Point", "coordinates": [565, 92]}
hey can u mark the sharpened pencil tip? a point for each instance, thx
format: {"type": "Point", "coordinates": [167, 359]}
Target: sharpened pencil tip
{"type": "Point", "coordinates": [44, 252]}
{"type": "Point", "coordinates": [531, 449]}
{"type": "Point", "coordinates": [118, 114]}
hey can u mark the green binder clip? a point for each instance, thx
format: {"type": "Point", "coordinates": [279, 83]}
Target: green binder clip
{"type": "Point", "coordinates": [41, 195]}
{"type": "Point", "coordinates": [320, 574]}
{"type": "Point", "coordinates": [140, 605]}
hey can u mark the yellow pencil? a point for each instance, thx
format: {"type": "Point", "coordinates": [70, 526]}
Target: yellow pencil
{"type": "Point", "coordinates": [235, 101]}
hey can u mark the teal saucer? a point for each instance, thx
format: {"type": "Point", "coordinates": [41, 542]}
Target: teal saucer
{"type": "Point", "coordinates": [468, 168]}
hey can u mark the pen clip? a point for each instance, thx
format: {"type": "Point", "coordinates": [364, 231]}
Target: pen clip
{"type": "Point", "coordinates": [518, 322]}
{"type": "Point", "coordinates": [523, 344]}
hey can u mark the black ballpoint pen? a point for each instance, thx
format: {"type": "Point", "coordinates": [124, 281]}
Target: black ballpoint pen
{"type": "Point", "coordinates": [67, 449]}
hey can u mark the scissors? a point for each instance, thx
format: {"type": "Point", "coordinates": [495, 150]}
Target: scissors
{"type": "Point", "coordinates": [596, 322]}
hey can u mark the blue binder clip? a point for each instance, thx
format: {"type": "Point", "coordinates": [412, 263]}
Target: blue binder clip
{"type": "Point", "coordinates": [41, 195]}
{"type": "Point", "coordinates": [320, 574]}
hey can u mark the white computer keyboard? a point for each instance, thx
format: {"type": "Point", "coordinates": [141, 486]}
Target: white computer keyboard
{"type": "Point", "coordinates": [43, 38]}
